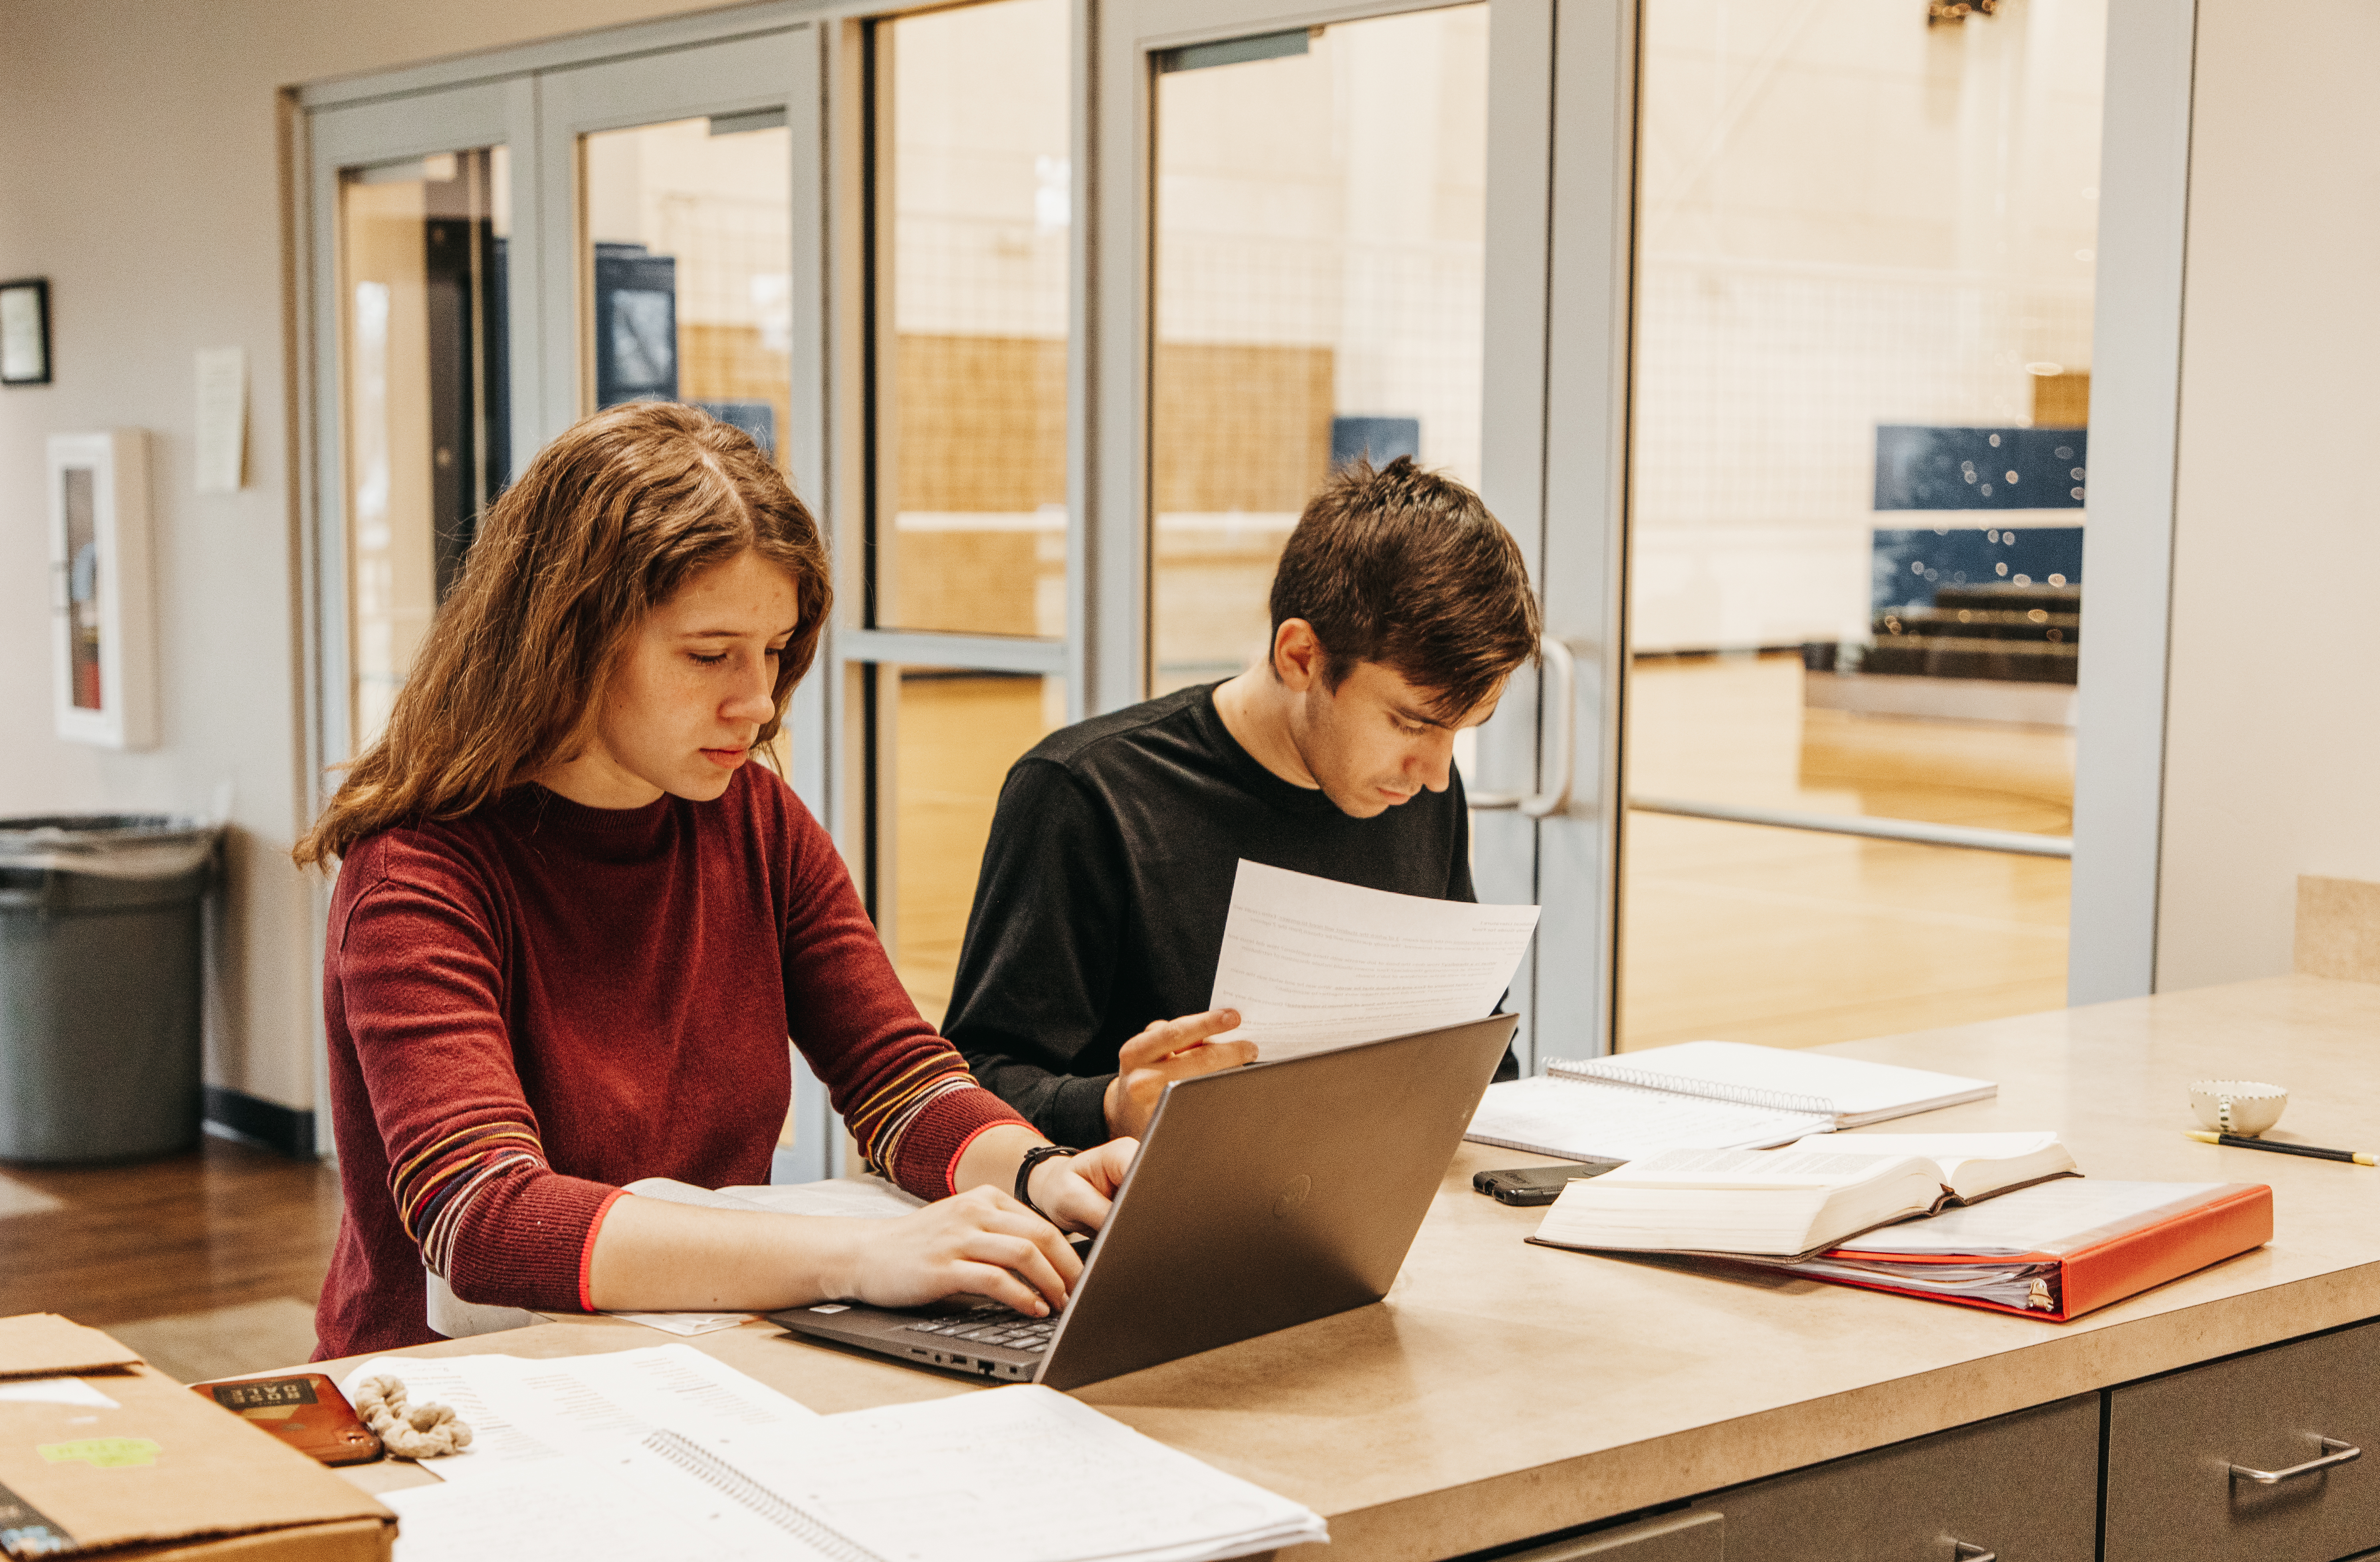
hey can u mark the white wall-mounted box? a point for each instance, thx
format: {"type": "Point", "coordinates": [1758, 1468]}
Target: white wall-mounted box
{"type": "Point", "coordinates": [103, 605]}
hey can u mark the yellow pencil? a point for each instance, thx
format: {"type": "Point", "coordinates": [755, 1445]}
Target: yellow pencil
{"type": "Point", "coordinates": [2236, 1143]}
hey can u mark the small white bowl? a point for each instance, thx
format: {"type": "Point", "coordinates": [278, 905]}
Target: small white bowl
{"type": "Point", "coordinates": [2242, 1108]}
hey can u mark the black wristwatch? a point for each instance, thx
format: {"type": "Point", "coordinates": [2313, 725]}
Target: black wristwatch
{"type": "Point", "coordinates": [1033, 1157]}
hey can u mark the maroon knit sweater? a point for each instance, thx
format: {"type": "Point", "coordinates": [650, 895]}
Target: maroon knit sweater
{"type": "Point", "coordinates": [533, 1005]}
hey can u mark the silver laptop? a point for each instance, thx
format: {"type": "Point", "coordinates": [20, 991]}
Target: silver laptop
{"type": "Point", "coordinates": [1262, 1196]}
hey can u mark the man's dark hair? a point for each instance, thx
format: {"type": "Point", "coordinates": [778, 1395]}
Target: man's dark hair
{"type": "Point", "coordinates": [1406, 567]}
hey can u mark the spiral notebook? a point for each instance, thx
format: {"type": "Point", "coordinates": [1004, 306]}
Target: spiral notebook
{"type": "Point", "coordinates": [1851, 1091]}
{"type": "Point", "coordinates": [1703, 1096]}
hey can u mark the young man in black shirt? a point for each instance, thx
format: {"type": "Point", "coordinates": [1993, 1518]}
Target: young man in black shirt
{"type": "Point", "coordinates": [1400, 608]}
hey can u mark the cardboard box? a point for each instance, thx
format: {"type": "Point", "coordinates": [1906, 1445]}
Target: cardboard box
{"type": "Point", "coordinates": [98, 1450]}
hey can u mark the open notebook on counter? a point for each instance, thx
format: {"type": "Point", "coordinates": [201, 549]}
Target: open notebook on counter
{"type": "Point", "coordinates": [1793, 1203]}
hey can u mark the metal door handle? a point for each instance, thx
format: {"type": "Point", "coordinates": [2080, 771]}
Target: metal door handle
{"type": "Point", "coordinates": [1560, 701]}
{"type": "Point", "coordinates": [2333, 1452]}
{"type": "Point", "coordinates": [1962, 1551]}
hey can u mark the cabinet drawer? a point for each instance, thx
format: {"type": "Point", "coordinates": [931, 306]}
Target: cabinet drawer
{"type": "Point", "coordinates": [1674, 1537]}
{"type": "Point", "coordinates": [2171, 1443]}
{"type": "Point", "coordinates": [2025, 1487]}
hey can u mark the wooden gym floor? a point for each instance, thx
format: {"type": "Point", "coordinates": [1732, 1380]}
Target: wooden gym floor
{"type": "Point", "coordinates": [208, 1262]}
{"type": "Point", "coordinates": [1754, 933]}
{"type": "Point", "coordinates": [1743, 932]}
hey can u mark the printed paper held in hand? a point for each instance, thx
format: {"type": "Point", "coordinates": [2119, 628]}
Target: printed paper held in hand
{"type": "Point", "coordinates": [1312, 965]}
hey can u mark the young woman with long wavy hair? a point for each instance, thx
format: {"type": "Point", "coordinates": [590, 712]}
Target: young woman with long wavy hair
{"type": "Point", "coordinates": [575, 926]}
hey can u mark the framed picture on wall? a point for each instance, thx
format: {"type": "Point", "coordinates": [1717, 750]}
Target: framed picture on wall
{"type": "Point", "coordinates": [102, 634]}
{"type": "Point", "coordinates": [25, 332]}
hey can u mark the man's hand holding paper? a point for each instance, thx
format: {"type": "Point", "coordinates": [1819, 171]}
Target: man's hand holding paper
{"type": "Point", "coordinates": [1167, 1051]}
{"type": "Point", "coordinates": [1312, 965]}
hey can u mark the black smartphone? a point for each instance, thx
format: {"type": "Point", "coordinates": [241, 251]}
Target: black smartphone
{"type": "Point", "coordinates": [1536, 1185]}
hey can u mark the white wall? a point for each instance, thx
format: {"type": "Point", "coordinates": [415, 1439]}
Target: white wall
{"type": "Point", "coordinates": [2272, 737]}
{"type": "Point", "coordinates": [141, 172]}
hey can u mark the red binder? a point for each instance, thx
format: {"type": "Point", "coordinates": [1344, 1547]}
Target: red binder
{"type": "Point", "coordinates": [2110, 1265]}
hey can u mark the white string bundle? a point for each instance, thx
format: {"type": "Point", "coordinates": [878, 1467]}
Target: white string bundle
{"type": "Point", "coordinates": [416, 1431]}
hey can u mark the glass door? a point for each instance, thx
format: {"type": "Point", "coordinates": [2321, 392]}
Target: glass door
{"type": "Point", "coordinates": [680, 192]}
{"type": "Point", "coordinates": [423, 260]}
{"type": "Point", "coordinates": [676, 178]}
{"type": "Point", "coordinates": [1343, 253]}
{"type": "Point", "coordinates": [1862, 366]}
{"type": "Point", "coordinates": [955, 665]}
{"type": "Point", "coordinates": [418, 376]}
{"type": "Point", "coordinates": [1319, 298]}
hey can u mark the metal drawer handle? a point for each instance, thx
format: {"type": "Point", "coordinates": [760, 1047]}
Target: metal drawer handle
{"type": "Point", "coordinates": [2333, 1452]}
{"type": "Point", "coordinates": [1962, 1551]}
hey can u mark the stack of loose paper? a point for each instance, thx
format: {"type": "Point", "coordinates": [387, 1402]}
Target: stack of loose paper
{"type": "Point", "coordinates": [1314, 965]}
{"type": "Point", "coordinates": [665, 1453]}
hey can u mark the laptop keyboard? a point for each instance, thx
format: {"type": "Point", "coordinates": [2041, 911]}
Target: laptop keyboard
{"type": "Point", "coordinates": [991, 1325]}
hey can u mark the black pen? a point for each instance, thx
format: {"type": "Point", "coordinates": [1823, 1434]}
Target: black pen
{"type": "Point", "coordinates": [2236, 1143]}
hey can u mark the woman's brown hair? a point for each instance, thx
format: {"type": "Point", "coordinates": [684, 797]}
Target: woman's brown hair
{"type": "Point", "coordinates": [606, 524]}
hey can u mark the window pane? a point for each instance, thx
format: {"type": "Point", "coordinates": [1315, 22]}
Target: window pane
{"type": "Point", "coordinates": [1863, 365]}
{"type": "Point", "coordinates": [429, 410]}
{"type": "Point", "coordinates": [1319, 262]}
{"type": "Point", "coordinates": [971, 430]}
{"type": "Point", "coordinates": [946, 738]}
{"type": "Point", "coordinates": [689, 228]}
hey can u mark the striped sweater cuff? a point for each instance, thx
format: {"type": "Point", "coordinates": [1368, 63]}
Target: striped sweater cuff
{"type": "Point", "coordinates": [528, 1240]}
{"type": "Point", "coordinates": [929, 1156]}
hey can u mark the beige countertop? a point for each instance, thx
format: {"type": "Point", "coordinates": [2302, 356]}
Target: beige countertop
{"type": "Point", "coordinates": [1504, 1391]}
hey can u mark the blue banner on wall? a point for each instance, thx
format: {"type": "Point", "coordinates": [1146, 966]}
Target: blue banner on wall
{"type": "Point", "coordinates": [1945, 468]}
{"type": "Point", "coordinates": [1377, 440]}
{"type": "Point", "coordinates": [1909, 566]}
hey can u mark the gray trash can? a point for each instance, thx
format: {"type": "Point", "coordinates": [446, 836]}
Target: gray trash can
{"type": "Point", "coordinates": [100, 985]}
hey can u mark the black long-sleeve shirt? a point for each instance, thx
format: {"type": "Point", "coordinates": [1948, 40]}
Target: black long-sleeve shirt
{"type": "Point", "coordinates": [1108, 879]}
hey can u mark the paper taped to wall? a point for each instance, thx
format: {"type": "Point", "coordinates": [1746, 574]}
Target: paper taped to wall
{"type": "Point", "coordinates": [1314, 965]}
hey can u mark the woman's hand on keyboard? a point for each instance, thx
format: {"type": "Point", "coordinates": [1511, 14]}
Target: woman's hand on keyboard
{"type": "Point", "coordinates": [981, 1241]}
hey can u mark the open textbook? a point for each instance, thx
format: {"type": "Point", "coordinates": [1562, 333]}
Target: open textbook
{"type": "Point", "coordinates": [998, 1476]}
{"type": "Point", "coordinates": [1796, 1201]}
{"type": "Point", "coordinates": [1313, 964]}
